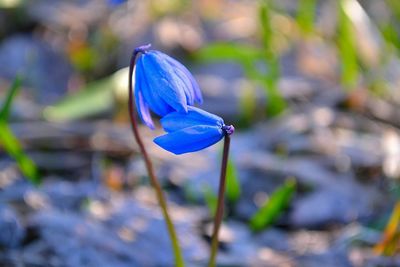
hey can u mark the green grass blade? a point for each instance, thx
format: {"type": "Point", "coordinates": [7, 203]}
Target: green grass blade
{"type": "Point", "coordinates": [229, 52]}
{"type": "Point", "coordinates": [245, 55]}
{"type": "Point", "coordinates": [248, 106]}
{"type": "Point", "coordinates": [13, 148]}
{"type": "Point", "coordinates": [97, 97]}
{"type": "Point", "coordinates": [347, 48]}
{"type": "Point", "coordinates": [211, 199]}
{"type": "Point", "coordinates": [306, 15]}
{"type": "Point", "coordinates": [276, 103]}
{"type": "Point", "coordinates": [264, 16]}
{"type": "Point", "coordinates": [11, 93]}
{"type": "Point", "coordinates": [233, 190]}
{"type": "Point", "coordinates": [273, 207]}
{"type": "Point", "coordinates": [394, 6]}
{"type": "Point", "coordinates": [390, 28]}
{"type": "Point", "coordinates": [8, 140]}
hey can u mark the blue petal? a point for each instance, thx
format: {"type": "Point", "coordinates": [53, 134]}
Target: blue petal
{"type": "Point", "coordinates": [195, 86]}
{"type": "Point", "coordinates": [155, 102]}
{"type": "Point", "coordinates": [189, 93]}
{"type": "Point", "coordinates": [162, 79]}
{"type": "Point", "coordinates": [115, 2]}
{"type": "Point", "coordinates": [143, 109]}
{"type": "Point", "coordinates": [176, 121]}
{"type": "Point", "coordinates": [190, 139]}
{"type": "Point", "coordinates": [182, 76]}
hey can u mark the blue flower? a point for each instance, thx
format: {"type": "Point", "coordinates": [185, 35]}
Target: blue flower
{"type": "Point", "coordinates": [162, 85]}
{"type": "Point", "coordinates": [115, 2]}
{"type": "Point", "coordinates": [191, 132]}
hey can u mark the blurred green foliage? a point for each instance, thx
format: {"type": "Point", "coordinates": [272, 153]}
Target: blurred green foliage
{"type": "Point", "coordinates": [389, 244]}
{"type": "Point", "coordinates": [260, 63]}
{"type": "Point", "coordinates": [95, 98]}
{"type": "Point", "coordinates": [232, 192]}
{"type": "Point", "coordinates": [11, 3]}
{"type": "Point", "coordinates": [246, 55]}
{"type": "Point", "coordinates": [233, 189]}
{"type": "Point", "coordinates": [275, 104]}
{"type": "Point", "coordinates": [8, 140]}
{"type": "Point", "coordinates": [7, 104]}
{"type": "Point", "coordinates": [347, 48]}
{"type": "Point", "coordinates": [273, 207]}
{"type": "Point", "coordinates": [306, 15]}
{"type": "Point", "coordinates": [390, 28]}
{"type": "Point", "coordinates": [211, 199]}
{"type": "Point", "coordinates": [259, 56]}
{"type": "Point", "coordinates": [94, 56]}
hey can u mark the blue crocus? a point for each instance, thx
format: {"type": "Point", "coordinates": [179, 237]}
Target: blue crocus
{"type": "Point", "coordinates": [193, 131]}
{"type": "Point", "coordinates": [162, 85]}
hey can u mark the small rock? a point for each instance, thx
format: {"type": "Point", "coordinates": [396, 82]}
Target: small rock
{"type": "Point", "coordinates": [11, 230]}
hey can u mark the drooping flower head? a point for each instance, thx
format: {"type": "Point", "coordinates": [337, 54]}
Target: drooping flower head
{"type": "Point", "coordinates": [191, 132]}
{"type": "Point", "coordinates": [162, 85]}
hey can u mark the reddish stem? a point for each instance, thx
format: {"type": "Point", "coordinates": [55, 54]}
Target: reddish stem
{"type": "Point", "coordinates": [179, 262]}
{"type": "Point", "coordinates": [220, 205]}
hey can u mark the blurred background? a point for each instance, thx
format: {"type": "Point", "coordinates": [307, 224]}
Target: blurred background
{"type": "Point", "coordinates": [312, 87]}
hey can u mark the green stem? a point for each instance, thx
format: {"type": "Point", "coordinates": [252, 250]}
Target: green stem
{"type": "Point", "coordinates": [179, 262]}
{"type": "Point", "coordinates": [220, 205]}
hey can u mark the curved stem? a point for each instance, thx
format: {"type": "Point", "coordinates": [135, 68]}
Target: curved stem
{"type": "Point", "coordinates": [220, 205]}
{"type": "Point", "coordinates": [179, 262]}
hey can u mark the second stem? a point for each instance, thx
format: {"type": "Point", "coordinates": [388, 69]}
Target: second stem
{"type": "Point", "coordinates": [220, 205]}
